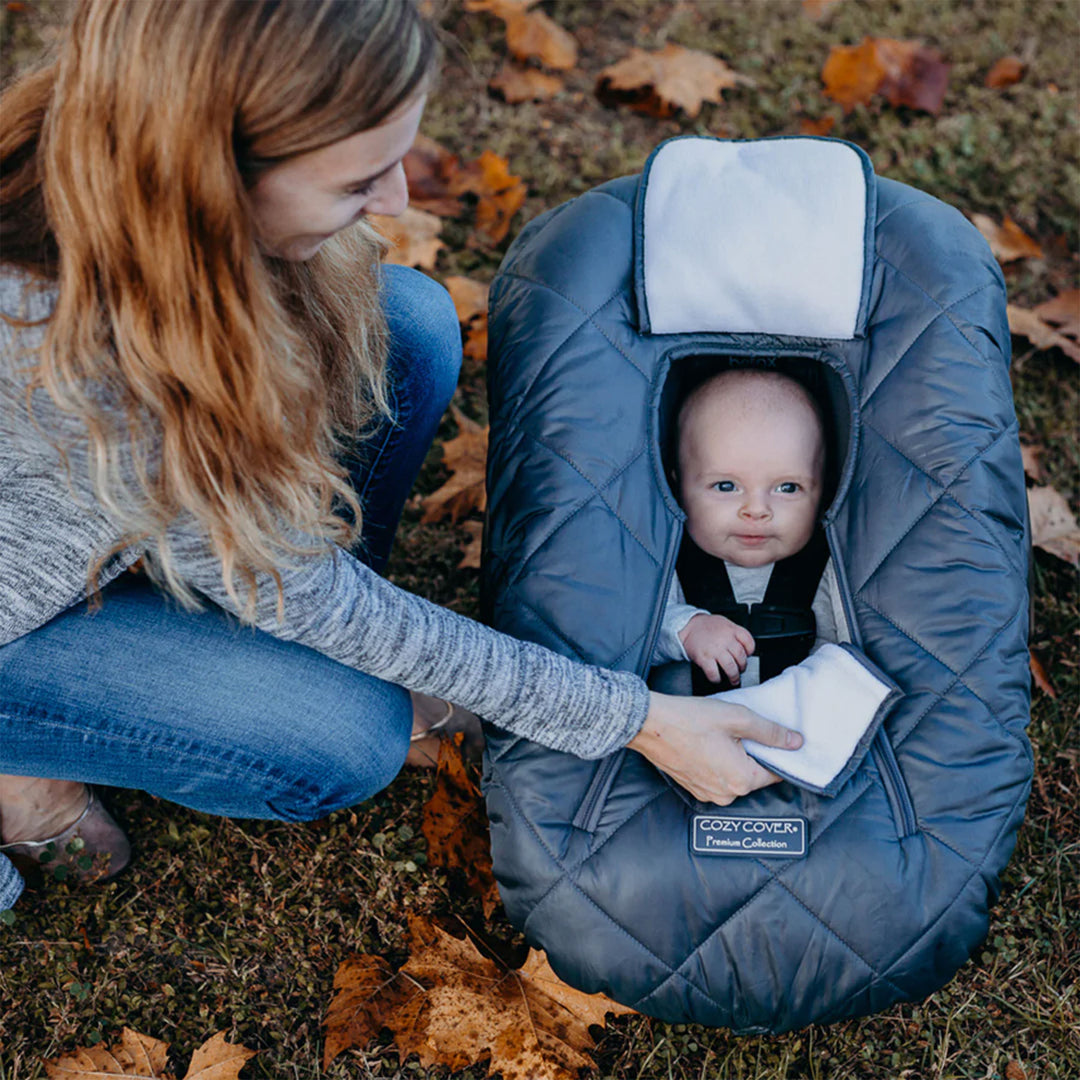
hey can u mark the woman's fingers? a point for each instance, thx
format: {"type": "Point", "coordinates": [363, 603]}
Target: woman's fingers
{"type": "Point", "coordinates": [767, 732]}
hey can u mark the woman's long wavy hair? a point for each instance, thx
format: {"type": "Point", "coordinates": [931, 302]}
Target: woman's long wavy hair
{"type": "Point", "coordinates": [235, 381]}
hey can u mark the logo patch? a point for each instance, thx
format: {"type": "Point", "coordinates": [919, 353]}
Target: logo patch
{"type": "Point", "coordinates": [726, 834]}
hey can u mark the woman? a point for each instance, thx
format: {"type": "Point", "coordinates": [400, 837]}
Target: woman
{"type": "Point", "coordinates": [205, 372]}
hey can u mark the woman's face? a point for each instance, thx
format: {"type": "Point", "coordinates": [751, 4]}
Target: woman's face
{"type": "Point", "coordinates": [299, 204]}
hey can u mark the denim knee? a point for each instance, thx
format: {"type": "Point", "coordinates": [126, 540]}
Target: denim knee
{"type": "Point", "coordinates": [425, 339]}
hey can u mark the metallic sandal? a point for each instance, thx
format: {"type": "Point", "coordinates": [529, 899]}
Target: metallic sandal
{"type": "Point", "coordinates": [92, 848]}
{"type": "Point", "coordinates": [453, 720]}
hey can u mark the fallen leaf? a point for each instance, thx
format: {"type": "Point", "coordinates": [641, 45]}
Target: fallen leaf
{"type": "Point", "coordinates": [659, 83]}
{"type": "Point", "coordinates": [1007, 241]}
{"type": "Point", "coordinates": [141, 1056]}
{"type": "Point", "coordinates": [815, 9]}
{"type": "Point", "coordinates": [476, 339]}
{"type": "Point", "coordinates": [455, 822]}
{"type": "Point", "coordinates": [470, 297]}
{"type": "Point", "coordinates": [1015, 1071]}
{"type": "Point", "coordinates": [500, 194]}
{"type": "Point", "coordinates": [531, 35]}
{"type": "Point", "coordinates": [217, 1059]}
{"type": "Point", "coordinates": [1025, 323]}
{"type": "Point", "coordinates": [821, 126]}
{"type": "Point", "coordinates": [515, 84]}
{"type": "Point", "coordinates": [452, 1006]}
{"type": "Point", "coordinates": [413, 237]}
{"type": "Point", "coordinates": [1053, 527]}
{"type": "Point", "coordinates": [904, 72]}
{"type": "Point", "coordinates": [1007, 70]}
{"type": "Point", "coordinates": [1039, 676]}
{"type": "Point", "coordinates": [466, 458]}
{"type": "Point", "coordinates": [429, 169]}
{"type": "Point", "coordinates": [470, 557]}
{"type": "Point", "coordinates": [1031, 456]}
{"type": "Point", "coordinates": [1063, 311]}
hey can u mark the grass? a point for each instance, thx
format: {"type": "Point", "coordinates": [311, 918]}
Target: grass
{"type": "Point", "coordinates": [241, 925]}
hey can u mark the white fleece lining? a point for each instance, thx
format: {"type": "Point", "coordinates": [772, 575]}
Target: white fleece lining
{"type": "Point", "coordinates": [755, 237]}
{"type": "Point", "coordinates": [830, 698]}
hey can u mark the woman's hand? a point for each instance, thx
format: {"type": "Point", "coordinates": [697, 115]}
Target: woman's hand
{"type": "Point", "coordinates": [697, 742]}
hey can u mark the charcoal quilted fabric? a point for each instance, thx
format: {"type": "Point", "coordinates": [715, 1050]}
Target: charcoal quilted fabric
{"type": "Point", "coordinates": [929, 534]}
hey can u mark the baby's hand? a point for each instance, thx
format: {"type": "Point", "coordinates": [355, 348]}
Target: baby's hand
{"type": "Point", "coordinates": [717, 645]}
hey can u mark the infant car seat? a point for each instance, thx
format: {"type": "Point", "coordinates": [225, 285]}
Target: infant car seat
{"type": "Point", "coordinates": [791, 253]}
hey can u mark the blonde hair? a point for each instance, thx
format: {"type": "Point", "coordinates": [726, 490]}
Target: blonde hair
{"type": "Point", "coordinates": [213, 380]}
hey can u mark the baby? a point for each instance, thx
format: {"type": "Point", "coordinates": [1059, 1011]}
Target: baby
{"type": "Point", "coordinates": [751, 457]}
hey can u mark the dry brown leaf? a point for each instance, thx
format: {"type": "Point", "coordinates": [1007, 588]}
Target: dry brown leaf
{"type": "Point", "coordinates": [470, 297]}
{"type": "Point", "coordinates": [821, 126]}
{"type": "Point", "coordinates": [815, 9]}
{"type": "Point", "coordinates": [466, 458]}
{"type": "Point", "coordinates": [1008, 70]}
{"type": "Point", "coordinates": [1007, 241]}
{"type": "Point", "coordinates": [429, 169]}
{"type": "Point", "coordinates": [455, 822]}
{"type": "Point", "coordinates": [218, 1059]}
{"type": "Point", "coordinates": [659, 83]}
{"type": "Point", "coordinates": [470, 557]}
{"type": "Point", "coordinates": [458, 1008]}
{"type": "Point", "coordinates": [476, 340]}
{"type": "Point", "coordinates": [1039, 676]}
{"type": "Point", "coordinates": [1063, 311]}
{"type": "Point", "coordinates": [141, 1056]}
{"type": "Point", "coordinates": [1025, 323]}
{"type": "Point", "coordinates": [500, 194]}
{"type": "Point", "coordinates": [134, 1055]}
{"type": "Point", "coordinates": [413, 237]}
{"type": "Point", "coordinates": [531, 35]}
{"type": "Point", "coordinates": [904, 72]}
{"type": "Point", "coordinates": [515, 84]}
{"type": "Point", "coordinates": [1053, 527]}
{"type": "Point", "coordinates": [1031, 456]}
{"type": "Point", "coordinates": [1015, 1071]}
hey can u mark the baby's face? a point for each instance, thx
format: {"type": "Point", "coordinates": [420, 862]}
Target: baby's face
{"type": "Point", "coordinates": [750, 480]}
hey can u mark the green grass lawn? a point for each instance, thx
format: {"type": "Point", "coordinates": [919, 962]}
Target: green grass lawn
{"type": "Point", "coordinates": [240, 926]}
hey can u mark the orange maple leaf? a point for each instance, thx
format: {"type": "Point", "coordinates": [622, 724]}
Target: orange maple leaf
{"type": "Point", "coordinates": [452, 1006]}
{"type": "Point", "coordinates": [144, 1057]}
{"type": "Point", "coordinates": [455, 824]}
{"type": "Point", "coordinates": [466, 458]}
{"type": "Point", "coordinates": [904, 72]}
{"type": "Point", "coordinates": [470, 557]}
{"type": "Point", "coordinates": [659, 83]}
{"type": "Point", "coordinates": [500, 194]}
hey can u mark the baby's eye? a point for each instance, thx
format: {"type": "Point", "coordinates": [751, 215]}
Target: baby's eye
{"type": "Point", "coordinates": [724, 485]}
{"type": "Point", "coordinates": [788, 487]}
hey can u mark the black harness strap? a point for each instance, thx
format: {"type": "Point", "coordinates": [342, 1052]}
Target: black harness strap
{"type": "Point", "coordinates": [783, 624]}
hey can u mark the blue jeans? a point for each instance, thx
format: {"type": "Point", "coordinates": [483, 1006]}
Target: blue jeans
{"type": "Point", "coordinates": [216, 716]}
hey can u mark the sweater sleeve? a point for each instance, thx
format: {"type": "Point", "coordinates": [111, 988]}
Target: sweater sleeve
{"type": "Point", "coordinates": [336, 604]}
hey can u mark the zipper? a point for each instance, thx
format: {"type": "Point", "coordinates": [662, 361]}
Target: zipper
{"type": "Point", "coordinates": [592, 803]}
{"type": "Point", "coordinates": [892, 780]}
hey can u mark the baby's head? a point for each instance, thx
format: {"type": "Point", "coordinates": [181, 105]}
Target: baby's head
{"type": "Point", "coordinates": [751, 466]}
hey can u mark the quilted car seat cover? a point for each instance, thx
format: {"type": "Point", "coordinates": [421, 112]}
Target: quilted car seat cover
{"type": "Point", "coordinates": [780, 249]}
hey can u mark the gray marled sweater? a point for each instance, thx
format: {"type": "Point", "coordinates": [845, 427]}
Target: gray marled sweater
{"type": "Point", "coordinates": [51, 529]}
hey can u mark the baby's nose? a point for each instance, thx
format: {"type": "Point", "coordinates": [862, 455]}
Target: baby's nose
{"type": "Point", "coordinates": [755, 507]}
